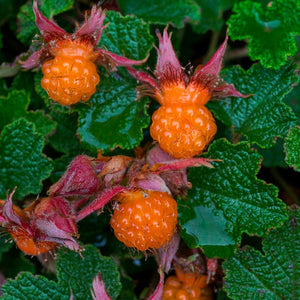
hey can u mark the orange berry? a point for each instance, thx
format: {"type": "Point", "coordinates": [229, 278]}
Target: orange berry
{"type": "Point", "coordinates": [26, 243]}
{"type": "Point", "coordinates": [72, 75]}
{"type": "Point", "coordinates": [183, 130]}
{"type": "Point", "coordinates": [145, 219]}
{"type": "Point", "coordinates": [177, 93]}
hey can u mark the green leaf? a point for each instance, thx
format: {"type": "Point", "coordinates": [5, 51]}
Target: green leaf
{"type": "Point", "coordinates": [114, 117]}
{"type": "Point", "coordinates": [162, 12]}
{"type": "Point", "coordinates": [274, 156]}
{"type": "Point", "coordinates": [211, 14]}
{"type": "Point", "coordinates": [15, 106]}
{"type": "Point", "coordinates": [19, 263]}
{"type": "Point", "coordinates": [263, 116]}
{"type": "Point", "coordinates": [293, 100]}
{"type": "Point", "coordinates": [76, 272]}
{"type": "Point", "coordinates": [128, 36]}
{"type": "Point", "coordinates": [228, 200]}
{"type": "Point", "coordinates": [274, 275]}
{"type": "Point", "coordinates": [292, 148]}
{"type": "Point", "coordinates": [28, 287]}
{"type": "Point", "coordinates": [64, 139]}
{"type": "Point", "coordinates": [50, 8]}
{"type": "Point", "coordinates": [270, 29]}
{"type": "Point", "coordinates": [5, 244]}
{"type": "Point", "coordinates": [21, 162]}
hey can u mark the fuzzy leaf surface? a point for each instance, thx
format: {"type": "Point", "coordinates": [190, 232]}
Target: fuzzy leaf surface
{"type": "Point", "coordinates": [292, 148]}
{"type": "Point", "coordinates": [77, 273]}
{"type": "Point", "coordinates": [27, 287]}
{"type": "Point", "coordinates": [270, 29]}
{"type": "Point", "coordinates": [15, 106]}
{"type": "Point", "coordinates": [50, 8]}
{"type": "Point", "coordinates": [239, 202]}
{"type": "Point", "coordinates": [22, 163]}
{"type": "Point", "coordinates": [128, 36]}
{"type": "Point", "coordinates": [113, 118]}
{"type": "Point", "coordinates": [263, 116]}
{"type": "Point", "coordinates": [176, 12]}
{"type": "Point", "coordinates": [274, 275]}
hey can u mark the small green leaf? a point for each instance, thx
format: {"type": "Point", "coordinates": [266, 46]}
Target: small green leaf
{"type": "Point", "coordinates": [128, 36]}
{"type": "Point", "coordinates": [21, 162]}
{"type": "Point", "coordinates": [228, 200]}
{"type": "Point", "coordinates": [292, 148]}
{"type": "Point", "coordinates": [274, 275]}
{"type": "Point", "coordinates": [50, 8]}
{"type": "Point", "coordinates": [263, 116]}
{"type": "Point", "coordinates": [28, 287]}
{"type": "Point", "coordinates": [270, 29]}
{"type": "Point", "coordinates": [15, 105]}
{"type": "Point", "coordinates": [205, 226]}
{"type": "Point", "coordinates": [113, 117]}
{"type": "Point", "coordinates": [176, 12]}
{"type": "Point", "coordinates": [76, 272]}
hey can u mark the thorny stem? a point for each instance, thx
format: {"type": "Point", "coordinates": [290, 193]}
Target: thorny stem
{"type": "Point", "coordinates": [284, 185]}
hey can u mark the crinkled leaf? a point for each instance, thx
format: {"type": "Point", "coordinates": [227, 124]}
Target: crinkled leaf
{"type": "Point", "coordinates": [176, 12]}
{"type": "Point", "coordinates": [114, 117]}
{"type": "Point", "coordinates": [211, 14]}
{"type": "Point", "coordinates": [21, 162]}
{"type": "Point", "coordinates": [50, 8]}
{"type": "Point", "coordinates": [128, 36]}
{"type": "Point", "coordinates": [77, 273]}
{"type": "Point", "coordinates": [274, 275]}
{"type": "Point", "coordinates": [230, 192]}
{"type": "Point", "coordinates": [15, 106]}
{"type": "Point", "coordinates": [28, 287]}
{"type": "Point", "coordinates": [292, 148]}
{"type": "Point", "coordinates": [263, 116]}
{"type": "Point", "coordinates": [270, 29]}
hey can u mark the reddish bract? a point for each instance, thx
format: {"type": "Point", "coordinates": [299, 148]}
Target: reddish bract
{"type": "Point", "coordinates": [68, 60]}
{"type": "Point", "coordinates": [183, 127]}
{"type": "Point", "coordinates": [47, 222]}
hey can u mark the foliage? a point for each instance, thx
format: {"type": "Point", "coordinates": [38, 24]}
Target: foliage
{"type": "Point", "coordinates": [242, 210]}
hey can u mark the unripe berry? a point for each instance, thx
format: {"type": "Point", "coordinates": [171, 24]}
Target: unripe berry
{"type": "Point", "coordinates": [145, 219]}
{"type": "Point", "coordinates": [72, 75]}
{"type": "Point", "coordinates": [183, 130]}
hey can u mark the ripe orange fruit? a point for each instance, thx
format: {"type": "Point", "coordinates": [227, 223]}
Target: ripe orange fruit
{"type": "Point", "coordinates": [26, 243]}
{"type": "Point", "coordinates": [144, 219]}
{"type": "Point", "coordinates": [175, 289]}
{"type": "Point", "coordinates": [72, 75]}
{"type": "Point", "coordinates": [183, 130]}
